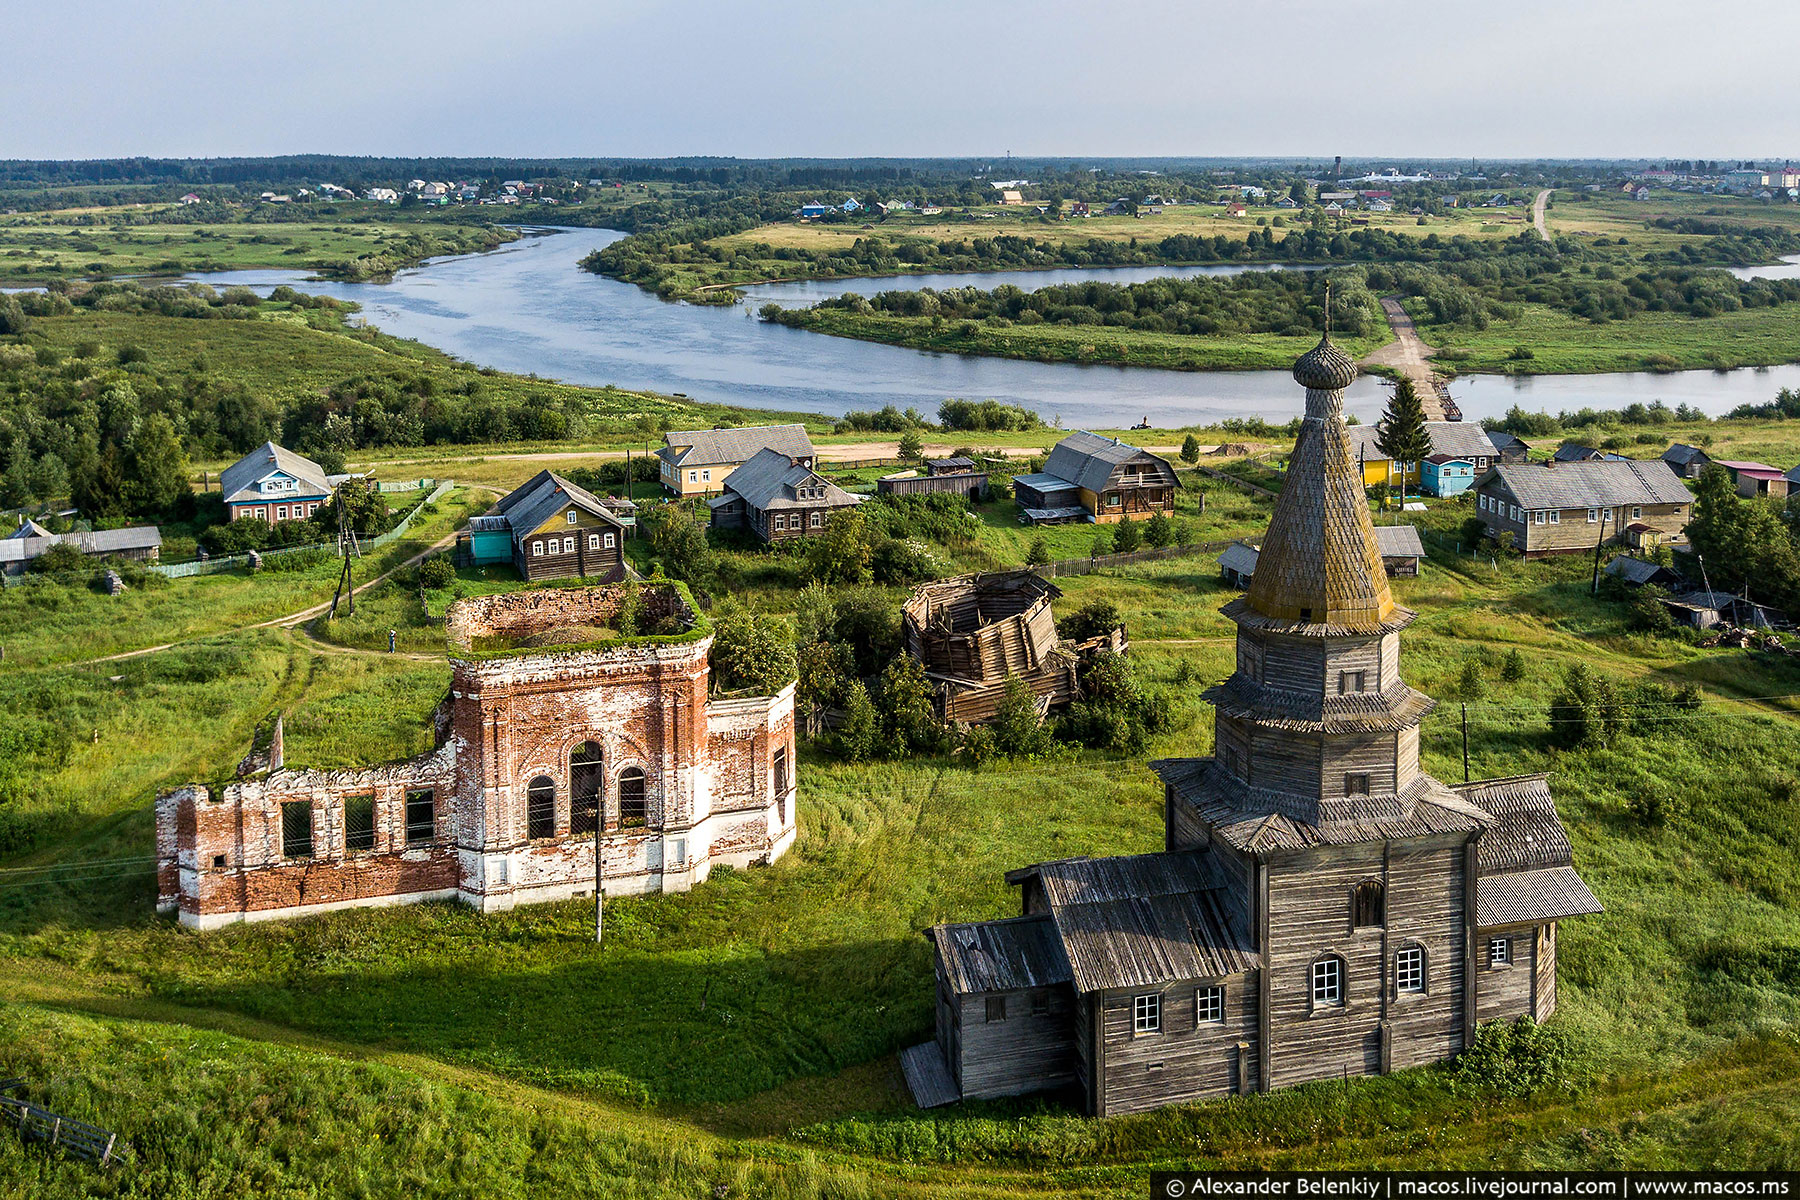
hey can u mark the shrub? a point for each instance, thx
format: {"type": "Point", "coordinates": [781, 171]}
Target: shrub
{"type": "Point", "coordinates": [751, 651]}
{"type": "Point", "coordinates": [1039, 553]}
{"type": "Point", "coordinates": [1128, 535]}
{"type": "Point", "coordinates": [1513, 669]}
{"type": "Point", "coordinates": [1159, 531]}
{"type": "Point", "coordinates": [60, 559]}
{"type": "Point", "coordinates": [1092, 619]}
{"type": "Point", "coordinates": [1018, 729]}
{"type": "Point", "coordinates": [1517, 1058]}
{"type": "Point", "coordinates": [436, 572]}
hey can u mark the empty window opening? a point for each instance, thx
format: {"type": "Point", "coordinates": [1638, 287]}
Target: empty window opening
{"type": "Point", "coordinates": [634, 810]}
{"type": "Point", "coordinates": [1040, 1004]}
{"type": "Point", "coordinates": [1356, 784]}
{"type": "Point", "coordinates": [296, 829]}
{"type": "Point", "coordinates": [421, 816]}
{"type": "Point", "coordinates": [540, 808]}
{"type": "Point", "coordinates": [359, 824]}
{"type": "Point", "coordinates": [996, 1008]}
{"type": "Point", "coordinates": [1366, 906]}
{"type": "Point", "coordinates": [1352, 681]}
{"type": "Point", "coordinates": [586, 778]}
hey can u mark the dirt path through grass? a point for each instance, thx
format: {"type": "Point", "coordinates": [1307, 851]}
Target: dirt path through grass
{"type": "Point", "coordinates": [1537, 213]}
{"type": "Point", "coordinates": [1409, 355]}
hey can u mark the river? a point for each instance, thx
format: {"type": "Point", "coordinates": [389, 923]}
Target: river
{"type": "Point", "coordinates": [529, 308]}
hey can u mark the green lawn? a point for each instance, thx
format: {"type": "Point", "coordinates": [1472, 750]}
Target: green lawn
{"type": "Point", "coordinates": [1561, 343]}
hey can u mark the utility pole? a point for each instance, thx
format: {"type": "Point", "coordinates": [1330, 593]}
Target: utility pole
{"type": "Point", "coordinates": [1465, 725]}
{"type": "Point", "coordinates": [599, 870]}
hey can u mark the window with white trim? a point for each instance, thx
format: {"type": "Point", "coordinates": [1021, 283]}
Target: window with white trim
{"type": "Point", "coordinates": [1593, 515]}
{"type": "Point", "coordinates": [281, 513]}
{"type": "Point", "coordinates": [1540, 517]}
{"type": "Point", "coordinates": [609, 541]}
{"type": "Point", "coordinates": [593, 541]}
{"type": "Point", "coordinates": [780, 521]}
{"type": "Point", "coordinates": [537, 548]}
{"type": "Point", "coordinates": [1209, 1005]}
{"type": "Point", "coordinates": [568, 545]}
{"type": "Point", "coordinates": [1606, 515]}
{"type": "Point", "coordinates": [706, 476]}
{"type": "Point", "coordinates": [572, 516]}
{"type": "Point", "coordinates": [1328, 981]}
{"type": "Point", "coordinates": [1146, 1013]}
{"type": "Point", "coordinates": [1499, 951]}
{"type": "Point", "coordinates": [817, 521]}
{"type": "Point", "coordinates": [1637, 514]}
{"type": "Point", "coordinates": [1409, 969]}
{"type": "Point", "coordinates": [693, 477]}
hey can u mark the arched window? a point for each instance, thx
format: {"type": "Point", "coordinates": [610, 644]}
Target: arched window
{"type": "Point", "coordinates": [634, 811]}
{"type": "Point", "coordinates": [1366, 907]}
{"type": "Point", "coordinates": [1409, 969]}
{"type": "Point", "coordinates": [585, 780]}
{"type": "Point", "coordinates": [540, 808]}
{"type": "Point", "coordinates": [1328, 982]}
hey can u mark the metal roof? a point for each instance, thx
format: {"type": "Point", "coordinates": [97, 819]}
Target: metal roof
{"type": "Point", "coordinates": [1239, 557]}
{"type": "Point", "coordinates": [767, 482]}
{"type": "Point", "coordinates": [1045, 483]}
{"type": "Point", "coordinates": [709, 447]}
{"type": "Point", "coordinates": [1636, 570]}
{"type": "Point", "coordinates": [1087, 459]}
{"type": "Point", "coordinates": [100, 542]}
{"type": "Point", "coordinates": [533, 502]}
{"type": "Point", "coordinates": [236, 480]}
{"type": "Point", "coordinates": [1589, 484]}
{"type": "Point", "coordinates": [1683, 454]}
{"type": "Point", "coordinates": [1459, 439]}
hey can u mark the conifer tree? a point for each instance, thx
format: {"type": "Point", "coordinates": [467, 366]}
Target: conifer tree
{"type": "Point", "coordinates": [1403, 438]}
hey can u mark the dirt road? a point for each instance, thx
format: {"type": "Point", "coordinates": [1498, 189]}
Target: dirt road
{"type": "Point", "coordinates": [1537, 213]}
{"type": "Point", "coordinates": [1412, 358]}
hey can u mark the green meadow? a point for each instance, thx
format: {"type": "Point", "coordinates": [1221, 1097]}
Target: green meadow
{"type": "Point", "coordinates": [739, 1039]}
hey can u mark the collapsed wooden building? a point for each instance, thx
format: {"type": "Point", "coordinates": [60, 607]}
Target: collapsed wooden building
{"type": "Point", "coordinates": [1320, 907]}
{"type": "Point", "coordinates": [974, 632]}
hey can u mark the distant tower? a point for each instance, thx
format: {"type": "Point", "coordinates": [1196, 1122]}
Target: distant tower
{"type": "Point", "coordinates": [1337, 166]}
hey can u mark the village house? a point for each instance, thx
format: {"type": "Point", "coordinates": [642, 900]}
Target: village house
{"type": "Point", "coordinates": [274, 484]}
{"type": "Point", "coordinates": [1573, 452]}
{"type": "Point", "coordinates": [1446, 475]}
{"type": "Point", "coordinates": [779, 498]}
{"type": "Point", "coordinates": [563, 742]}
{"type": "Point", "coordinates": [1686, 461]}
{"type": "Point", "coordinates": [30, 540]}
{"type": "Point", "coordinates": [1320, 907]}
{"type": "Point", "coordinates": [1753, 479]}
{"type": "Point", "coordinates": [1097, 479]}
{"type": "Point", "coordinates": [1455, 439]}
{"type": "Point", "coordinates": [695, 462]}
{"type": "Point", "coordinates": [1639, 572]}
{"type": "Point", "coordinates": [549, 528]}
{"type": "Point", "coordinates": [1554, 508]}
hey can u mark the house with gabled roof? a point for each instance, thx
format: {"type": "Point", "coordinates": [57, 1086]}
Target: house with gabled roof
{"type": "Point", "coordinates": [778, 497]}
{"type": "Point", "coordinates": [274, 484]}
{"type": "Point", "coordinates": [695, 462]}
{"type": "Point", "coordinates": [1686, 461]}
{"type": "Point", "coordinates": [30, 539]}
{"type": "Point", "coordinates": [1092, 478]}
{"type": "Point", "coordinates": [1562, 508]}
{"type": "Point", "coordinates": [1755, 478]}
{"type": "Point", "coordinates": [550, 528]}
{"type": "Point", "coordinates": [1453, 439]}
{"type": "Point", "coordinates": [1320, 907]}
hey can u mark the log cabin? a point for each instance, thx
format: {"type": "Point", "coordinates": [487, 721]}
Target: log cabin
{"type": "Point", "coordinates": [1097, 479]}
{"type": "Point", "coordinates": [1320, 907]}
{"type": "Point", "coordinates": [696, 462]}
{"type": "Point", "coordinates": [779, 498]}
{"type": "Point", "coordinates": [555, 529]}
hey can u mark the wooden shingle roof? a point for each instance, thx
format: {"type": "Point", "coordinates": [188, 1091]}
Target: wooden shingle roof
{"type": "Point", "coordinates": [1140, 920]}
{"type": "Point", "coordinates": [1000, 956]}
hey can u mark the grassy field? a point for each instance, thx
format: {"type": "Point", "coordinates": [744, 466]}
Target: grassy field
{"type": "Point", "coordinates": [354, 241]}
{"type": "Point", "coordinates": [741, 1035]}
{"type": "Point", "coordinates": [1561, 343]}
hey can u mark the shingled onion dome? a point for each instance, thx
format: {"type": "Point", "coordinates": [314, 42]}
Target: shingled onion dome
{"type": "Point", "coordinates": [1325, 368]}
{"type": "Point", "coordinates": [1320, 564]}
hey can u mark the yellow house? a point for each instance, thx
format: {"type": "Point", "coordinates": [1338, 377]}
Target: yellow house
{"type": "Point", "coordinates": [695, 462]}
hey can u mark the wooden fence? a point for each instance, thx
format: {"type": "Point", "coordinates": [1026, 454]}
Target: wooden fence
{"type": "Point", "coordinates": [219, 565]}
{"type": "Point", "coordinates": [36, 1124]}
{"type": "Point", "coordinates": [1099, 562]}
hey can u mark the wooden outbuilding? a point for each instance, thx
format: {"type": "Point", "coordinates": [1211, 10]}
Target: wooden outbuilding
{"type": "Point", "coordinates": [1320, 907]}
{"type": "Point", "coordinates": [958, 476]}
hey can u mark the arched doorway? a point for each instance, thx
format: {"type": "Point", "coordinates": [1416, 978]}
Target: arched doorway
{"type": "Point", "coordinates": [586, 779]}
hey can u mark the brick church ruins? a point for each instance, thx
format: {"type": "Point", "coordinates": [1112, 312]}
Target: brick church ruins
{"type": "Point", "coordinates": [1320, 907]}
{"type": "Point", "coordinates": [559, 737]}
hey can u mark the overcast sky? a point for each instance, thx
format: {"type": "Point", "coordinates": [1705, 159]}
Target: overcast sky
{"type": "Point", "coordinates": [1450, 78]}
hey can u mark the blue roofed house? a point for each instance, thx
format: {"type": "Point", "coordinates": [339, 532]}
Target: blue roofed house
{"type": "Point", "coordinates": [1446, 475]}
{"type": "Point", "coordinates": [815, 210]}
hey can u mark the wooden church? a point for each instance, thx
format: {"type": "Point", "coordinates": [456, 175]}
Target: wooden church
{"type": "Point", "coordinates": [1321, 906]}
